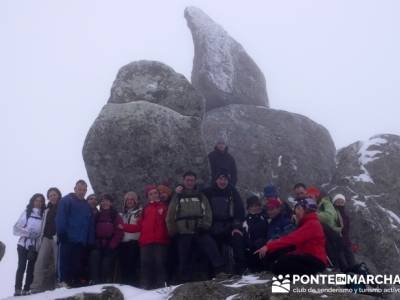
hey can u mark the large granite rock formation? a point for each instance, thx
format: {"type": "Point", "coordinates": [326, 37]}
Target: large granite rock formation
{"type": "Point", "coordinates": [134, 143]}
{"type": "Point", "coordinates": [368, 174]}
{"type": "Point", "coordinates": [222, 70]}
{"type": "Point", "coordinates": [157, 83]}
{"type": "Point", "coordinates": [272, 146]}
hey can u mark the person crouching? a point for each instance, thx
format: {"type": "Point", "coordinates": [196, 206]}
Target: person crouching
{"type": "Point", "coordinates": [303, 250]}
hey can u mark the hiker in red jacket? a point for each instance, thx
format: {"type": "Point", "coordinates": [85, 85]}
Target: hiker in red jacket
{"type": "Point", "coordinates": [108, 237]}
{"type": "Point", "coordinates": [153, 240]}
{"type": "Point", "coordinates": [301, 251]}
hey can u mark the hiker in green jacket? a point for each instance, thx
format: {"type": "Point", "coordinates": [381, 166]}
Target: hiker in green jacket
{"type": "Point", "coordinates": [332, 225]}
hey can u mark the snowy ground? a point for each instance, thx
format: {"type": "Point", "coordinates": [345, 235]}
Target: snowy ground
{"type": "Point", "coordinates": [129, 292]}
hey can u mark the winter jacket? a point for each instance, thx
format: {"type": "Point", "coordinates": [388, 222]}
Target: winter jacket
{"type": "Point", "coordinates": [189, 211]}
{"type": "Point", "coordinates": [279, 226]}
{"type": "Point", "coordinates": [108, 235]}
{"type": "Point", "coordinates": [255, 230]}
{"type": "Point", "coordinates": [227, 209]}
{"type": "Point", "coordinates": [131, 216]}
{"type": "Point", "coordinates": [344, 221]}
{"type": "Point", "coordinates": [75, 221]}
{"type": "Point", "coordinates": [29, 230]}
{"type": "Point", "coordinates": [222, 160]}
{"type": "Point", "coordinates": [308, 239]}
{"type": "Point", "coordinates": [49, 223]}
{"type": "Point", "coordinates": [151, 225]}
{"type": "Point", "coordinates": [327, 214]}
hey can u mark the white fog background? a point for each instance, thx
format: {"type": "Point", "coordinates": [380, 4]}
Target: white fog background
{"type": "Point", "coordinates": [334, 61]}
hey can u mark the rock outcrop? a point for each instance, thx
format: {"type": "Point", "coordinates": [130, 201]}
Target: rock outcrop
{"type": "Point", "coordinates": [368, 174]}
{"type": "Point", "coordinates": [2, 250]}
{"type": "Point", "coordinates": [272, 146]}
{"type": "Point", "coordinates": [157, 83]}
{"type": "Point", "coordinates": [134, 143]}
{"type": "Point", "coordinates": [222, 70]}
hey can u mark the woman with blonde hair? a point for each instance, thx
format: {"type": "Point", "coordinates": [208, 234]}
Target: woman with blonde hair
{"type": "Point", "coordinates": [129, 247]}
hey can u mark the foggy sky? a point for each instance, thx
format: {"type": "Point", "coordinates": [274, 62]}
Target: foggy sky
{"type": "Point", "coordinates": [333, 61]}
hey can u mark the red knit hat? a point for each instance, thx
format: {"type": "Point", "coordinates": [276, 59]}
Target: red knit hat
{"type": "Point", "coordinates": [313, 192]}
{"type": "Point", "coordinates": [149, 188]}
{"type": "Point", "coordinates": [273, 203]}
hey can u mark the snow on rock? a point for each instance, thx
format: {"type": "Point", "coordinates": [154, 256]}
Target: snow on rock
{"type": "Point", "coordinates": [247, 280]}
{"type": "Point", "coordinates": [128, 292]}
{"type": "Point", "coordinates": [366, 155]}
{"type": "Point", "coordinates": [222, 70]}
{"type": "Point", "coordinates": [393, 217]}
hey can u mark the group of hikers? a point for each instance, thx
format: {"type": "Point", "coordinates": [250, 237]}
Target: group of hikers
{"type": "Point", "coordinates": [179, 234]}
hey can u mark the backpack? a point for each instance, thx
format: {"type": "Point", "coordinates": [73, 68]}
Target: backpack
{"type": "Point", "coordinates": [190, 207]}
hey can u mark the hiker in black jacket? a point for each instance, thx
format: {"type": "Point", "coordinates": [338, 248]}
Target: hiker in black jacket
{"type": "Point", "coordinates": [220, 159]}
{"type": "Point", "coordinates": [227, 217]}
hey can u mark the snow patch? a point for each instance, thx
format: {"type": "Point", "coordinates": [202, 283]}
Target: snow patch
{"type": "Point", "coordinates": [129, 292]}
{"type": "Point", "coordinates": [393, 217]}
{"type": "Point", "coordinates": [279, 161]}
{"type": "Point", "coordinates": [247, 280]}
{"type": "Point", "coordinates": [366, 156]}
{"type": "Point", "coordinates": [232, 297]}
{"type": "Point", "coordinates": [358, 203]}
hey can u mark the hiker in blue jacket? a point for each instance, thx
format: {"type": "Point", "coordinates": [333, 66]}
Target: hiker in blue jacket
{"type": "Point", "coordinates": [75, 230]}
{"type": "Point", "coordinates": [279, 223]}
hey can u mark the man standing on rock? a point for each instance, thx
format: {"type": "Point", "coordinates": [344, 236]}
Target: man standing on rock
{"type": "Point", "coordinates": [189, 218]}
{"type": "Point", "coordinates": [228, 217]}
{"type": "Point", "coordinates": [220, 159]}
{"type": "Point", "coordinates": [75, 230]}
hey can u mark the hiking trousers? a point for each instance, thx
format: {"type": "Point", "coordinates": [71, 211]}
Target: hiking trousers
{"type": "Point", "coordinates": [69, 262]}
{"type": "Point", "coordinates": [24, 265]}
{"type": "Point", "coordinates": [297, 264]}
{"type": "Point", "coordinates": [205, 243]}
{"type": "Point", "coordinates": [44, 275]}
{"type": "Point", "coordinates": [153, 265]}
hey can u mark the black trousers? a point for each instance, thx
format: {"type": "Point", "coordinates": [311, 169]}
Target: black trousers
{"type": "Point", "coordinates": [297, 264]}
{"type": "Point", "coordinates": [69, 263]}
{"type": "Point", "coordinates": [128, 256]}
{"type": "Point", "coordinates": [335, 248]}
{"type": "Point", "coordinates": [206, 244]}
{"type": "Point", "coordinates": [237, 243]}
{"type": "Point", "coordinates": [153, 266]}
{"type": "Point", "coordinates": [22, 266]}
{"type": "Point", "coordinates": [102, 263]}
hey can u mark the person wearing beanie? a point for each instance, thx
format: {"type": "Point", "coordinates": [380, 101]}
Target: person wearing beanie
{"type": "Point", "coordinates": [332, 225]}
{"type": "Point", "coordinates": [279, 223]}
{"type": "Point", "coordinates": [339, 202]}
{"type": "Point", "coordinates": [153, 240]}
{"type": "Point", "coordinates": [219, 159]}
{"type": "Point", "coordinates": [271, 193]}
{"type": "Point", "coordinates": [255, 229]}
{"type": "Point", "coordinates": [227, 218]}
{"type": "Point", "coordinates": [303, 250]}
{"type": "Point", "coordinates": [108, 236]}
{"type": "Point", "coordinates": [129, 248]}
{"type": "Point", "coordinates": [165, 193]}
{"type": "Point", "coordinates": [189, 220]}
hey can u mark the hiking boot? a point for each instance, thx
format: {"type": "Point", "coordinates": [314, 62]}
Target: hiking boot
{"type": "Point", "coordinates": [62, 285]}
{"type": "Point", "coordinates": [26, 292]}
{"type": "Point", "coordinates": [17, 293]}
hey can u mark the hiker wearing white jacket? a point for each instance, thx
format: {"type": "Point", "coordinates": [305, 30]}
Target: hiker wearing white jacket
{"type": "Point", "coordinates": [28, 228]}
